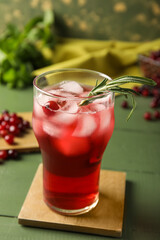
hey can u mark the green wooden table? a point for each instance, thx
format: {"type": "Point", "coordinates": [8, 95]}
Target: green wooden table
{"type": "Point", "coordinates": [133, 148]}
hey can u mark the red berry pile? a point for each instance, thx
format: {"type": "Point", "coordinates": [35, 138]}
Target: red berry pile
{"type": "Point", "coordinates": [11, 126]}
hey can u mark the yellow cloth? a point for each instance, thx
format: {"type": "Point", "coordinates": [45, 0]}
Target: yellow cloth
{"type": "Point", "coordinates": [114, 58]}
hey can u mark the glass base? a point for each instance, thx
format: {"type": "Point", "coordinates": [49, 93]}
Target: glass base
{"type": "Point", "coordinates": [74, 212]}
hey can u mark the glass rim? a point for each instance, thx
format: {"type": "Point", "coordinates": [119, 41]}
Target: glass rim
{"type": "Point", "coordinates": [67, 70]}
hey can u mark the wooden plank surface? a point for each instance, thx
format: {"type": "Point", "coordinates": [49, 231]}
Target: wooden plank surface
{"type": "Point", "coordinates": [105, 219]}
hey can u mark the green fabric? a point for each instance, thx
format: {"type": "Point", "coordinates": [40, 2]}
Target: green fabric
{"type": "Point", "coordinates": [115, 58]}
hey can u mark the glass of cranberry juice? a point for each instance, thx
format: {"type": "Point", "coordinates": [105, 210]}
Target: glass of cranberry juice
{"type": "Point", "coordinates": [72, 138]}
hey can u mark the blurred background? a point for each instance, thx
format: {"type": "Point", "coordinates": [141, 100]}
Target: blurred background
{"type": "Point", "coordinates": [134, 20]}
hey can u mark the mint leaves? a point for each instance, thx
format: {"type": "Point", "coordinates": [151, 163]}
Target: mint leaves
{"type": "Point", "coordinates": [19, 54]}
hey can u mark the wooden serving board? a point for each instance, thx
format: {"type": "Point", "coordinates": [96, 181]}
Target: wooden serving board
{"type": "Point", "coordinates": [105, 219]}
{"type": "Point", "coordinates": [25, 143]}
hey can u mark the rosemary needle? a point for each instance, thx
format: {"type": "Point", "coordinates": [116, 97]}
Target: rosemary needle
{"type": "Point", "coordinates": [106, 86]}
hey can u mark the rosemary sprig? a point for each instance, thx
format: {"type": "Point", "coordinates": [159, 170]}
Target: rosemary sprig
{"type": "Point", "coordinates": [114, 86]}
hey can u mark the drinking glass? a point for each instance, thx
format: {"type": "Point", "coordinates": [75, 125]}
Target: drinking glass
{"type": "Point", "coordinates": [72, 138]}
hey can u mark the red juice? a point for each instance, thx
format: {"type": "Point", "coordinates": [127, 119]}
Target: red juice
{"type": "Point", "coordinates": [72, 140]}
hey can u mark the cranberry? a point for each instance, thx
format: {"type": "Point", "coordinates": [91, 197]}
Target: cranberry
{"type": "Point", "coordinates": [155, 92]}
{"type": "Point", "coordinates": [50, 107]}
{"type": "Point", "coordinates": [124, 104]}
{"type": "Point", "coordinates": [21, 127]}
{"type": "Point", "coordinates": [136, 89]}
{"type": "Point", "coordinates": [12, 153]}
{"type": "Point", "coordinates": [155, 102]}
{"type": "Point", "coordinates": [5, 112]}
{"type": "Point", "coordinates": [13, 129]}
{"type": "Point", "coordinates": [3, 124]}
{"type": "Point", "coordinates": [13, 120]}
{"type": "Point", "coordinates": [26, 124]}
{"type": "Point", "coordinates": [9, 138]}
{"type": "Point", "coordinates": [3, 154]}
{"type": "Point", "coordinates": [145, 92]}
{"type": "Point", "coordinates": [1, 127]}
{"type": "Point", "coordinates": [6, 117]}
{"type": "Point", "coordinates": [1, 119]}
{"type": "Point", "coordinates": [157, 114]}
{"type": "Point", "coordinates": [148, 116]}
{"type": "Point", "coordinates": [14, 115]}
{"type": "Point", "coordinates": [3, 132]}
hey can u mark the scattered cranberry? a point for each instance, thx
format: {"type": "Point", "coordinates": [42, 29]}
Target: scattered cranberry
{"type": "Point", "coordinates": [9, 138]}
{"type": "Point", "coordinates": [148, 116]}
{"type": "Point", "coordinates": [124, 104]}
{"type": "Point", "coordinates": [157, 114]}
{"type": "Point", "coordinates": [50, 107]}
{"type": "Point", "coordinates": [12, 153]}
{"type": "Point", "coordinates": [136, 89]}
{"type": "Point", "coordinates": [155, 92]}
{"type": "Point", "coordinates": [155, 102]}
{"type": "Point", "coordinates": [3, 154]}
{"type": "Point", "coordinates": [145, 92]}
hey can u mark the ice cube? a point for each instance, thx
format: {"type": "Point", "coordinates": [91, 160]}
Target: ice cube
{"type": "Point", "coordinates": [86, 125]}
{"type": "Point", "coordinates": [61, 93]}
{"type": "Point", "coordinates": [37, 127]}
{"type": "Point", "coordinates": [104, 100]}
{"type": "Point", "coordinates": [38, 110]}
{"type": "Point", "coordinates": [97, 107]}
{"type": "Point", "coordinates": [70, 107]}
{"type": "Point", "coordinates": [52, 129]}
{"type": "Point", "coordinates": [42, 99]}
{"type": "Point", "coordinates": [105, 119]}
{"type": "Point", "coordinates": [71, 86]}
{"type": "Point", "coordinates": [64, 118]}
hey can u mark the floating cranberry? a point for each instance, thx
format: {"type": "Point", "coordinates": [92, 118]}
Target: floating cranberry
{"type": "Point", "coordinates": [124, 104]}
{"type": "Point", "coordinates": [3, 154]}
{"type": "Point", "coordinates": [9, 138]}
{"type": "Point", "coordinates": [50, 107]}
{"type": "Point", "coordinates": [148, 116]}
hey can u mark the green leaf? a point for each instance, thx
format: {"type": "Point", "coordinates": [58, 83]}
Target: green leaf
{"type": "Point", "coordinates": [10, 75]}
{"type": "Point", "coordinates": [48, 17]}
